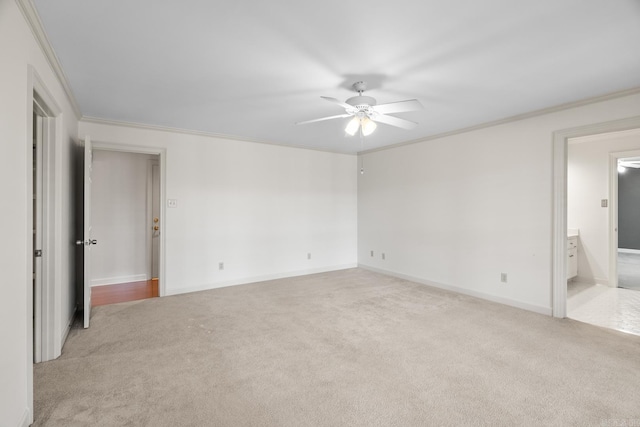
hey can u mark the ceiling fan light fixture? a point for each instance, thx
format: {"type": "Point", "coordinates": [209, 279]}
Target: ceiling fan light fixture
{"type": "Point", "coordinates": [352, 126]}
{"type": "Point", "coordinates": [362, 109]}
{"type": "Point", "coordinates": [368, 126]}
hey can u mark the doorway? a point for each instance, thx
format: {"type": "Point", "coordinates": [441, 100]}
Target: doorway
{"type": "Point", "coordinates": [127, 223]}
{"type": "Point", "coordinates": [559, 231]}
{"type": "Point", "coordinates": [628, 206]}
{"type": "Point", "coordinates": [595, 211]}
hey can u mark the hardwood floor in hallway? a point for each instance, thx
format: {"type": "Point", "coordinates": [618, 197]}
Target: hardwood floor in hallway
{"type": "Point", "coordinates": [123, 292]}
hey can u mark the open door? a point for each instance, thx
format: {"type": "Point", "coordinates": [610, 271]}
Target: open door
{"type": "Point", "coordinates": [86, 241]}
{"type": "Point", "coordinates": [88, 158]}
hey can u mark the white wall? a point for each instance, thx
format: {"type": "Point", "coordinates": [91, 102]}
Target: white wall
{"type": "Point", "coordinates": [119, 217]}
{"type": "Point", "coordinates": [19, 49]}
{"type": "Point", "coordinates": [587, 184]}
{"type": "Point", "coordinates": [458, 211]}
{"type": "Point", "coordinates": [258, 208]}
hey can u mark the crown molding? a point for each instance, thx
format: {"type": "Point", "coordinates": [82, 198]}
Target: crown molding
{"type": "Point", "coordinates": [30, 13]}
{"type": "Point", "coordinates": [518, 117]}
{"type": "Point", "coordinates": [110, 122]}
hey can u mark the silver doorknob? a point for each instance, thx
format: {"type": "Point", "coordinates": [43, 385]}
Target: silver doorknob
{"type": "Point", "coordinates": [87, 242]}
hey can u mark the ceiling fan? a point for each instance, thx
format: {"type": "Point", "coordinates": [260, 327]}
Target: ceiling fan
{"type": "Point", "coordinates": [628, 163]}
{"type": "Point", "coordinates": [366, 112]}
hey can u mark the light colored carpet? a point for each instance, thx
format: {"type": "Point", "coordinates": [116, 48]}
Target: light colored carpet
{"type": "Point", "coordinates": [346, 348]}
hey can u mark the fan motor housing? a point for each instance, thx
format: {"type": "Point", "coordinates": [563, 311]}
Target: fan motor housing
{"type": "Point", "coordinates": [361, 102]}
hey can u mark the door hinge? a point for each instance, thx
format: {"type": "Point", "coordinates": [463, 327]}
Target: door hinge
{"type": "Point", "coordinates": [38, 253]}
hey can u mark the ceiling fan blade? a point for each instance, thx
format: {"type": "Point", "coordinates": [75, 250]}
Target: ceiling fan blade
{"type": "Point", "coordinates": [323, 118]}
{"type": "Point", "coordinates": [399, 107]}
{"type": "Point", "coordinates": [394, 121]}
{"type": "Point", "coordinates": [337, 101]}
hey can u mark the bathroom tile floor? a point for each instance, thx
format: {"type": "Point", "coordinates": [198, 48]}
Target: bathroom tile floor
{"type": "Point", "coordinates": [614, 308]}
{"type": "Point", "coordinates": [629, 270]}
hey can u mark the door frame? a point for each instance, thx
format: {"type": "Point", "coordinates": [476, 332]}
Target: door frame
{"type": "Point", "coordinates": [559, 191]}
{"type": "Point", "coordinates": [49, 311]}
{"type": "Point", "coordinates": [161, 153]}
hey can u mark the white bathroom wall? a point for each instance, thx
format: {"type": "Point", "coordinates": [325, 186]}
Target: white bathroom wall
{"type": "Point", "coordinates": [259, 209]}
{"type": "Point", "coordinates": [459, 210]}
{"type": "Point", "coordinates": [20, 50]}
{"type": "Point", "coordinates": [587, 184]}
{"type": "Point", "coordinates": [119, 217]}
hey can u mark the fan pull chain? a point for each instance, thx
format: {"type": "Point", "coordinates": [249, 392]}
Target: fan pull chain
{"type": "Point", "coordinates": [361, 149]}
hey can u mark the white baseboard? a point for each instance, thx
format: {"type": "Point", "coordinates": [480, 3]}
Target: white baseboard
{"type": "Point", "coordinates": [254, 279]}
{"type": "Point", "coordinates": [26, 420]}
{"type": "Point", "coordinates": [591, 280]}
{"type": "Point", "coordinates": [117, 280]}
{"type": "Point", "coordinates": [506, 301]}
{"type": "Point", "coordinates": [629, 251]}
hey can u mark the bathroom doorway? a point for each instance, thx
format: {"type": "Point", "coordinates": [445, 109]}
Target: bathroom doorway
{"type": "Point", "coordinates": [597, 295]}
{"type": "Point", "coordinates": [628, 222]}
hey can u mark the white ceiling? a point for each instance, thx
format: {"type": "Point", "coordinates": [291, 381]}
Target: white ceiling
{"type": "Point", "coordinates": [251, 69]}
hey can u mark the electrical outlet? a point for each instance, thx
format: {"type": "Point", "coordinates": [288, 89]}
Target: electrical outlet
{"type": "Point", "coordinates": [172, 203]}
{"type": "Point", "coordinates": [371, 253]}
{"type": "Point", "coordinates": [503, 277]}
{"type": "Point", "coordinates": [383, 256]}
{"type": "Point", "coordinates": [604, 203]}
{"type": "Point", "coordinates": [221, 266]}
{"type": "Point", "coordinates": [309, 255]}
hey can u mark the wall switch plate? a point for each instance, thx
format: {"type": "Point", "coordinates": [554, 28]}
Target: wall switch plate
{"type": "Point", "coordinates": [309, 255]}
{"type": "Point", "coordinates": [371, 253]}
{"type": "Point", "coordinates": [503, 277]}
{"type": "Point", "coordinates": [221, 266]}
{"type": "Point", "coordinates": [172, 203]}
{"type": "Point", "coordinates": [383, 256]}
